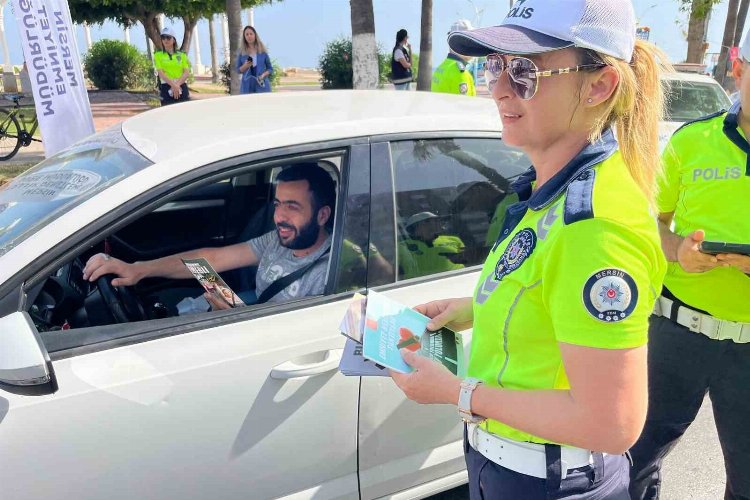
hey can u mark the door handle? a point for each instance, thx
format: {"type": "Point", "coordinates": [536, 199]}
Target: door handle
{"type": "Point", "coordinates": [292, 369]}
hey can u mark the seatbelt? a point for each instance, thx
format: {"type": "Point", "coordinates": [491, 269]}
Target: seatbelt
{"type": "Point", "coordinates": [287, 280]}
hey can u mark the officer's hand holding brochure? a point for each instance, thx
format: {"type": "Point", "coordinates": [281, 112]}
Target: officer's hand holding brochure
{"type": "Point", "coordinates": [211, 281]}
{"type": "Point", "coordinates": [378, 328]}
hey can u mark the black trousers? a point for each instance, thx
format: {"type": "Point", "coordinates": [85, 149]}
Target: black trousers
{"type": "Point", "coordinates": [606, 479]}
{"type": "Point", "coordinates": [168, 99]}
{"type": "Point", "coordinates": [683, 367]}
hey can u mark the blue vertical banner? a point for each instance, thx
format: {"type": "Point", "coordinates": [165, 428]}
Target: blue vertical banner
{"type": "Point", "coordinates": [52, 58]}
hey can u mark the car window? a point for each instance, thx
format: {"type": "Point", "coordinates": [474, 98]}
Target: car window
{"type": "Point", "coordinates": [448, 192]}
{"type": "Point", "coordinates": [41, 194]}
{"type": "Point", "coordinates": [71, 312]}
{"type": "Point", "coordinates": [690, 100]}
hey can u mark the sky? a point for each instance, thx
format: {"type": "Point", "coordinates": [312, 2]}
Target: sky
{"type": "Point", "coordinates": [296, 31]}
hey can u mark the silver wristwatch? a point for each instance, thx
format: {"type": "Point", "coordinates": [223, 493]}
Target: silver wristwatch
{"type": "Point", "coordinates": [464, 401]}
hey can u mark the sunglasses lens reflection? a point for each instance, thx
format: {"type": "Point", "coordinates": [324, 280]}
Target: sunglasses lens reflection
{"type": "Point", "coordinates": [519, 71]}
{"type": "Point", "coordinates": [519, 75]}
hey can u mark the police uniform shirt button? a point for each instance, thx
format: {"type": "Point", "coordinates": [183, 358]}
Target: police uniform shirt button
{"type": "Point", "coordinates": [584, 176]}
{"type": "Point", "coordinates": [506, 231]}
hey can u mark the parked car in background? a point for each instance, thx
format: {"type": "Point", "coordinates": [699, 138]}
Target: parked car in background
{"type": "Point", "coordinates": [105, 392]}
{"type": "Point", "coordinates": [690, 96]}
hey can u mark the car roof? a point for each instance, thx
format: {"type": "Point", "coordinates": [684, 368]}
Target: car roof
{"type": "Point", "coordinates": [219, 128]}
{"type": "Point", "coordinates": [689, 77]}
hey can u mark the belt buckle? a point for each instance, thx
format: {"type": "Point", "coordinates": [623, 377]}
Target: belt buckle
{"type": "Point", "coordinates": [729, 330]}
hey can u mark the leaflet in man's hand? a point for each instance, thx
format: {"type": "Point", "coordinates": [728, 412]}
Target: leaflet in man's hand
{"type": "Point", "coordinates": [211, 281]}
{"type": "Point", "coordinates": [390, 326]}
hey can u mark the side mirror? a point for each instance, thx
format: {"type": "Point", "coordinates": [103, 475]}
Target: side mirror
{"type": "Point", "coordinates": [25, 367]}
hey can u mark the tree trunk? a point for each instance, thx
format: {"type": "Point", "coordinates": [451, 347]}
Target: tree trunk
{"type": "Point", "coordinates": [365, 64]}
{"type": "Point", "coordinates": [234, 20]}
{"type": "Point", "coordinates": [148, 45]}
{"type": "Point", "coordinates": [150, 23]}
{"type": "Point", "coordinates": [700, 12]}
{"type": "Point", "coordinates": [424, 76]}
{"type": "Point", "coordinates": [741, 17]}
{"type": "Point", "coordinates": [189, 23]}
{"type": "Point", "coordinates": [214, 57]}
{"type": "Point", "coordinates": [720, 71]}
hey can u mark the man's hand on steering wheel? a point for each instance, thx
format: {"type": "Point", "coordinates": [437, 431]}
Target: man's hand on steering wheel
{"type": "Point", "coordinates": [100, 264]}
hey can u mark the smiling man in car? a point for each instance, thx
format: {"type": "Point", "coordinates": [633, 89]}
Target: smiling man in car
{"type": "Point", "coordinates": [291, 258]}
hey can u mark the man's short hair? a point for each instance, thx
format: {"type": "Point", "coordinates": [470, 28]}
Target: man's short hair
{"type": "Point", "coordinates": [322, 186]}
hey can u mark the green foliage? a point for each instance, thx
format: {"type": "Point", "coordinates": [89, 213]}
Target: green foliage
{"type": "Point", "coordinates": [275, 76]}
{"type": "Point", "coordinates": [699, 8]}
{"type": "Point", "coordinates": [116, 65]}
{"type": "Point", "coordinates": [335, 65]}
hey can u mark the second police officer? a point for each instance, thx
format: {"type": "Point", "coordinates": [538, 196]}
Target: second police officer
{"type": "Point", "coordinates": [699, 340]}
{"type": "Point", "coordinates": [453, 75]}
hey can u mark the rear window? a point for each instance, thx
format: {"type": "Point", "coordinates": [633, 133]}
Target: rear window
{"type": "Point", "coordinates": [56, 185]}
{"type": "Point", "coordinates": [690, 100]}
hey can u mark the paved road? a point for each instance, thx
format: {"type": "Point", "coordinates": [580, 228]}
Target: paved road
{"type": "Point", "coordinates": [693, 471]}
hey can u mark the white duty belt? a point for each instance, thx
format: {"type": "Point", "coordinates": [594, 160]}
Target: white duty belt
{"type": "Point", "coordinates": [713, 328]}
{"type": "Point", "coordinates": [524, 458]}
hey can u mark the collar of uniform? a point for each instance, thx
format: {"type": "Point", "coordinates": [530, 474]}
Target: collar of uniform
{"type": "Point", "coordinates": [456, 58]}
{"type": "Point", "coordinates": [589, 156]}
{"type": "Point", "coordinates": [731, 130]}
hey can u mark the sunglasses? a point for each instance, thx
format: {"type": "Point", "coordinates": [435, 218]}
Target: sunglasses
{"type": "Point", "coordinates": [523, 73]}
{"type": "Point", "coordinates": [166, 37]}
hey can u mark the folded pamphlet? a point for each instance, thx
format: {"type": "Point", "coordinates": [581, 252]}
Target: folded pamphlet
{"type": "Point", "coordinates": [212, 282]}
{"type": "Point", "coordinates": [388, 326]}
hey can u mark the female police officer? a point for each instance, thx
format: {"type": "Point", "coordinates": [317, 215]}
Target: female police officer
{"type": "Point", "coordinates": [561, 308]}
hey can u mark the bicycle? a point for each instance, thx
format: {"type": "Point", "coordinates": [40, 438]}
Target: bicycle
{"type": "Point", "coordinates": [14, 134]}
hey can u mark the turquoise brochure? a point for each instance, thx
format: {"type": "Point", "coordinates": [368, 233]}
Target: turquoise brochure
{"type": "Point", "coordinates": [391, 326]}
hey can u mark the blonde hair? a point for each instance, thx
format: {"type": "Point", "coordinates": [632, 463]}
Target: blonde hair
{"type": "Point", "coordinates": [259, 45]}
{"type": "Point", "coordinates": [634, 110]}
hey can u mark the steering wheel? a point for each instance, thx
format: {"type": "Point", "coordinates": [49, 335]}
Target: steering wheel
{"type": "Point", "coordinates": [121, 301]}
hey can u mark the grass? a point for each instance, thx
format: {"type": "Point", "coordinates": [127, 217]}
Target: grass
{"type": "Point", "coordinates": [8, 172]}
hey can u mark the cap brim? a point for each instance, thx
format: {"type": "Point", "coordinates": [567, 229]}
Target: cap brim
{"type": "Point", "coordinates": [506, 39]}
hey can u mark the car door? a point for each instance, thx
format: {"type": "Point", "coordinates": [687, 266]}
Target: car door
{"type": "Point", "coordinates": [245, 403]}
{"type": "Point", "coordinates": [462, 182]}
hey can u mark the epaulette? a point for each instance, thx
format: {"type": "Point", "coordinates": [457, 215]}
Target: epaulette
{"type": "Point", "coordinates": [579, 198]}
{"type": "Point", "coordinates": [701, 119]}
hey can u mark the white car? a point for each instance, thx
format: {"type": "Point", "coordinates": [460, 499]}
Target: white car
{"type": "Point", "coordinates": [122, 398]}
{"type": "Point", "coordinates": [690, 96]}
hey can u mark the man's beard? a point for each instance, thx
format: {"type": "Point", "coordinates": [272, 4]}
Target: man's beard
{"type": "Point", "coordinates": [305, 237]}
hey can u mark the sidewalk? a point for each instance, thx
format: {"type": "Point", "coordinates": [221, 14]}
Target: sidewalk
{"type": "Point", "coordinates": [107, 107]}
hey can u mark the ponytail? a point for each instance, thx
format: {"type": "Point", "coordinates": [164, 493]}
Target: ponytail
{"type": "Point", "coordinates": [634, 110]}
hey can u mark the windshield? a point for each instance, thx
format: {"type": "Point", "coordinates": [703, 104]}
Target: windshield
{"type": "Point", "coordinates": [53, 187]}
{"type": "Point", "coordinates": [690, 100]}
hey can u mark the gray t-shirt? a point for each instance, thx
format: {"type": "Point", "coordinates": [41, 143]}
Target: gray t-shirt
{"type": "Point", "coordinates": [277, 261]}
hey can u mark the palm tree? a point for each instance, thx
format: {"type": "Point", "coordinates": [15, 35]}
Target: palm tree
{"type": "Point", "coordinates": [700, 13]}
{"type": "Point", "coordinates": [234, 21]}
{"type": "Point", "coordinates": [741, 16]}
{"type": "Point", "coordinates": [214, 57]}
{"type": "Point", "coordinates": [365, 66]}
{"type": "Point", "coordinates": [720, 71]}
{"type": "Point", "coordinates": [424, 76]}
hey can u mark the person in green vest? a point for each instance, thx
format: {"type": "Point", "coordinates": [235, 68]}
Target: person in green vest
{"type": "Point", "coordinates": [453, 75]}
{"type": "Point", "coordinates": [426, 251]}
{"type": "Point", "coordinates": [557, 384]}
{"type": "Point", "coordinates": [173, 68]}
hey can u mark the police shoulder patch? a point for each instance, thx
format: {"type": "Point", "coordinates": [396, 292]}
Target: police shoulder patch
{"type": "Point", "coordinates": [518, 250]}
{"type": "Point", "coordinates": [463, 88]}
{"type": "Point", "coordinates": [610, 295]}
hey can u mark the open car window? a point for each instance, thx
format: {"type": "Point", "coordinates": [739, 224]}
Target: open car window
{"type": "Point", "coordinates": [224, 212]}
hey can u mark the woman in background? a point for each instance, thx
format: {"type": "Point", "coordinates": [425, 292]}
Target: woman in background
{"type": "Point", "coordinates": [253, 63]}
